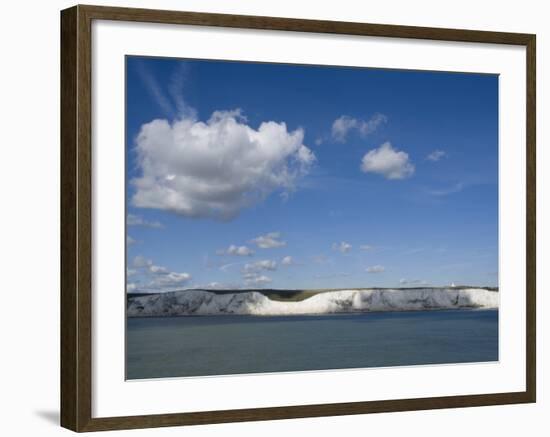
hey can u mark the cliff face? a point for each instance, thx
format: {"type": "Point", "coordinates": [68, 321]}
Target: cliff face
{"type": "Point", "coordinates": [200, 302]}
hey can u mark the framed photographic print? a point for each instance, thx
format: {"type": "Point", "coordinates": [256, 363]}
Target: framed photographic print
{"type": "Point", "coordinates": [339, 216]}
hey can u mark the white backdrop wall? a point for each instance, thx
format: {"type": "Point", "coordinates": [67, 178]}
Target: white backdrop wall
{"type": "Point", "coordinates": [29, 231]}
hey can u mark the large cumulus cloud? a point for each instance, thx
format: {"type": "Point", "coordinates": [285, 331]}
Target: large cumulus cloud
{"type": "Point", "coordinates": [218, 167]}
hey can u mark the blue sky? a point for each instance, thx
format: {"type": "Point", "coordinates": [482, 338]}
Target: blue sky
{"type": "Point", "coordinates": [282, 176]}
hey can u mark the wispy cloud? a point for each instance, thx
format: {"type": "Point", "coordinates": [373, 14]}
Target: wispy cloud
{"type": "Point", "coordinates": [226, 267]}
{"type": "Point", "coordinates": [176, 88]}
{"type": "Point", "coordinates": [236, 251]}
{"type": "Point", "coordinates": [414, 250]}
{"type": "Point", "coordinates": [169, 280]}
{"type": "Point", "coordinates": [342, 247]}
{"type": "Point", "coordinates": [375, 269]}
{"type": "Point", "coordinates": [456, 188]}
{"type": "Point", "coordinates": [136, 220]}
{"type": "Point", "coordinates": [258, 266]}
{"type": "Point", "coordinates": [156, 277]}
{"type": "Point", "coordinates": [321, 259]}
{"type": "Point", "coordinates": [257, 280]}
{"type": "Point", "coordinates": [436, 155]}
{"type": "Point", "coordinates": [287, 261]}
{"type": "Point", "coordinates": [269, 241]}
{"type": "Point", "coordinates": [170, 99]}
{"type": "Point", "coordinates": [214, 285]}
{"type": "Point", "coordinates": [405, 281]}
{"type": "Point", "coordinates": [344, 124]}
{"type": "Point", "coordinates": [253, 273]}
{"type": "Point", "coordinates": [155, 90]}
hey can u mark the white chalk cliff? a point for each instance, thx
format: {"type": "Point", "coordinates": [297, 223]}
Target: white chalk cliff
{"type": "Point", "coordinates": [201, 302]}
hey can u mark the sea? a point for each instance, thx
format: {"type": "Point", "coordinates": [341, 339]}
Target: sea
{"type": "Point", "coordinates": [161, 347]}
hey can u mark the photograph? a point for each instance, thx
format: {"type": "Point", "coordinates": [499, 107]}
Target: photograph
{"type": "Point", "coordinates": [271, 219]}
{"type": "Point", "coordinates": [292, 217]}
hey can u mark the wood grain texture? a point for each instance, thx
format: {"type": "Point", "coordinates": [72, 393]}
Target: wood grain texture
{"type": "Point", "coordinates": [76, 217]}
{"type": "Point", "coordinates": [531, 217]}
{"type": "Point", "coordinates": [69, 381]}
{"type": "Point", "coordinates": [300, 25]}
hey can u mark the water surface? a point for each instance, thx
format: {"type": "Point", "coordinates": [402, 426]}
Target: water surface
{"type": "Point", "coordinates": [220, 345]}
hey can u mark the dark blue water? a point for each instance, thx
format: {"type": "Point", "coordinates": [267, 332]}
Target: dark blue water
{"type": "Point", "coordinates": [221, 345]}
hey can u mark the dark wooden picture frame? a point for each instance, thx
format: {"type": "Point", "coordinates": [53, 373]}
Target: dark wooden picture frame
{"type": "Point", "coordinates": [76, 218]}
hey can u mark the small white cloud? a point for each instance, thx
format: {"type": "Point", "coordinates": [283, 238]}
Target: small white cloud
{"type": "Point", "coordinates": [436, 155]}
{"type": "Point", "coordinates": [157, 269]}
{"type": "Point", "coordinates": [160, 278]}
{"type": "Point", "coordinates": [236, 251]}
{"type": "Point", "coordinates": [257, 280]}
{"type": "Point", "coordinates": [131, 272]}
{"type": "Point", "coordinates": [212, 286]}
{"type": "Point", "coordinates": [136, 220]}
{"type": "Point", "coordinates": [258, 266]}
{"type": "Point", "coordinates": [251, 272]}
{"type": "Point", "coordinates": [130, 240]}
{"type": "Point", "coordinates": [344, 124]}
{"type": "Point", "coordinates": [131, 286]}
{"type": "Point", "coordinates": [140, 262]}
{"type": "Point", "coordinates": [169, 280]}
{"type": "Point", "coordinates": [287, 261]}
{"type": "Point", "coordinates": [269, 241]}
{"type": "Point", "coordinates": [342, 247]}
{"type": "Point", "coordinates": [388, 162]}
{"type": "Point", "coordinates": [217, 286]}
{"type": "Point", "coordinates": [366, 247]}
{"type": "Point", "coordinates": [375, 269]}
